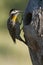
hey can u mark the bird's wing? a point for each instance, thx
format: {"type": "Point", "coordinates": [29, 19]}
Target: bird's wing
{"type": "Point", "coordinates": [11, 29]}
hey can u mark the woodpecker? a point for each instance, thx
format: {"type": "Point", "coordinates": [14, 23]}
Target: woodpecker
{"type": "Point", "coordinates": [13, 25]}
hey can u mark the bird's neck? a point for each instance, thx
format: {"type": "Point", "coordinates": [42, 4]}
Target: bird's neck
{"type": "Point", "coordinates": [14, 18]}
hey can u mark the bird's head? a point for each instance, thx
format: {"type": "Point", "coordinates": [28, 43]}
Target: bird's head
{"type": "Point", "coordinates": [14, 14]}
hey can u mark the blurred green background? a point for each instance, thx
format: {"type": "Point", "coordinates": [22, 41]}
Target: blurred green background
{"type": "Point", "coordinates": [10, 53]}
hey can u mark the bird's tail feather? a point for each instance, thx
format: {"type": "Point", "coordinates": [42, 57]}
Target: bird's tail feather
{"type": "Point", "coordinates": [21, 40]}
